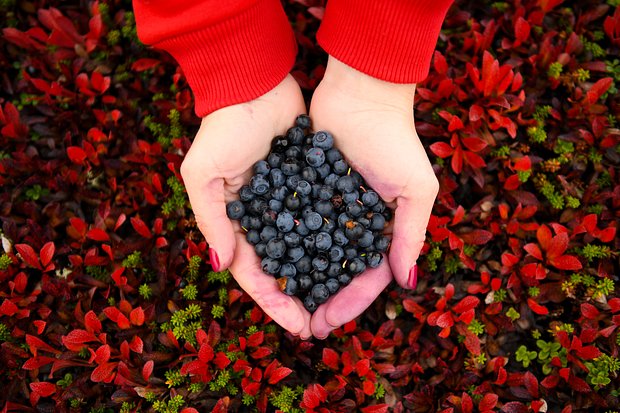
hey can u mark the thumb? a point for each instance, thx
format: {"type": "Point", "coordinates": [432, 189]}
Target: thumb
{"type": "Point", "coordinates": [411, 218]}
{"type": "Point", "coordinates": [209, 205]}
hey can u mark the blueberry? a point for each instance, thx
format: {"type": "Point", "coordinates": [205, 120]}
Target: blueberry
{"type": "Point", "coordinates": [304, 282]}
{"type": "Point", "coordinates": [353, 230]}
{"type": "Point", "coordinates": [309, 304]}
{"type": "Point", "coordinates": [339, 238]}
{"type": "Point", "coordinates": [292, 239]}
{"type": "Point", "coordinates": [275, 205]}
{"type": "Point", "coordinates": [292, 181]}
{"type": "Point", "coordinates": [325, 192]}
{"type": "Point", "coordinates": [318, 277]}
{"type": "Point", "coordinates": [354, 209]}
{"type": "Point", "coordinates": [245, 222]}
{"type": "Point", "coordinates": [345, 184]}
{"type": "Point", "coordinates": [290, 166]}
{"type": "Point", "coordinates": [324, 208]}
{"type": "Point", "coordinates": [365, 222]}
{"type": "Point", "coordinates": [253, 236]}
{"type": "Point", "coordinates": [255, 223]}
{"type": "Point", "coordinates": [262, 168]}
{"type": "Point", "coordinates": [370, 198]}
{"type": "Point", "coordinates": [268, 233]}
{"type": "Point", "coordinates": [292, 202]}
{"type": "Point", "coordinates": [350, 197]}
{"type": "Point", "coordinates": [259, 185]}
{"type": "Point", "coordinates": [379, 207]}
{"type": "Point", "coordinates": [261, 249]}
{"type": "Point", "coordinates": [276, 248]}
{"type": "Point", "coordinates": [257, 207]}
{"type": "Point", "coordinates": [285, 222]}
{"type": "Point", "coordinates": [329, 225]}
{"type": "Point", "coordinates": [293, 152]}
{"type": "Point", "coordinates": [269, 217]}
{"type": "Point", "coordinates": [305, 211]}
{"type": "Point", "coordinates": [289, 286]}
{"type": "Point", "coordinates": [277, 177]}
{"type": "Point", "coordinates": [336, 253]}
{"type": "Point", "coordinates": [350, 252]}
{"type": "Point", "coordinates": [235, 210]}
{"type": "Point", "coordinates": [356, 266]}
{"type": "Point", "coordinates": [270, 266]}
{"type": "Point", "coordinates": [309, 174]}
{"type": "Point", "coordinates": [344, 279]}
{"type": "Point", "coordinates": [294, 254]}
{"type": "Point", "coordinates": [320, 263]}
{"type": "Point", "coordinates": [343, 218]}
{"type": "Point", "coordinates": [303, 188]}
{"type": "Point", "coordinates": [279, 193]}
{"type": "Point", "coordinates": [246, 194]}
{"type": "Point", "coordinates": [333, 155]}
{"type": "Point", "coordinates": [303, 121]}
{"type": "Point", "coordinates": [373, 259]}
{"type": "Point", "coordinates": [382, 243]}
{"type": "Point", "coordinates": [301, 228]}
{"type": "Point", "coordinates": [295, 135]}
{"type": "Point", "coordinates": [357, 179]}
{"type": "Point", "coordinates": [313, 221]}
{"type": "Point", "coordinates": [366, 240]}
{"type": "Point", "coordinates": [288, 270]}
{"type": "Point", "coordinates": [334, 269]}
{"type": "Point", "coordinates": [331, 180]}
{"type": "Point", "coordinates": [280, 143]}
{"type": "Point", "coordinates": [304, 265]}
{"type": "Point", "coordinates": [320, 293]}
{"type": "Point", "coordinates": [309, 243]}
{"type": "Point", "coordinates": [323, 241]}
{"type": "Point", "coordinates": [332, 285]}
{"type": "Point", "coordinates": [323, 170]}
{"type": "Point", "coordinates": [340, 167]}
{"type": "Point", "coordinates": [323, 140]}
{"type": "Point", "coordinates": [315, 157]}
{"type": "Point", "coordinates": [377, 222]}
{"type": "Point", "coordinates": [275, 159]}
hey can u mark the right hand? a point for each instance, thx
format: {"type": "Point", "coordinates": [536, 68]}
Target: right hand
{"type": "Point", "coordinates": [219, 162]}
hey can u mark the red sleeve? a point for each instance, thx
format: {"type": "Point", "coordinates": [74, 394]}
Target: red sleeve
{"type": "Point", "coordinates": [392, 40]}
{"type": "Point", "coordinates": [230, 51]}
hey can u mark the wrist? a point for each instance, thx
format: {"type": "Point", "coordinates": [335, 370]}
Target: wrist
{"type": "Point", "coordinates": [357, 84]}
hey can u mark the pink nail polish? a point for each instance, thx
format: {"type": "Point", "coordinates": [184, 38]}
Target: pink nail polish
{"type": "Point", "coordinates": [413, 277]}
{"type": "Point", "coordinates": [214, 259]}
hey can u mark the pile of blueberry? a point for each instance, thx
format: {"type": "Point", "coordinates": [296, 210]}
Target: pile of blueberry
{"type": "Point", "coordinates": [312, 220]}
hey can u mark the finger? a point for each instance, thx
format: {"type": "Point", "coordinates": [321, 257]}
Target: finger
{"type": "Point", "coordinates": [263, 288]}
{"type": "Point", "coordinates": [351, 301]}
{"type": "Point", "coordinates": [411, 217]}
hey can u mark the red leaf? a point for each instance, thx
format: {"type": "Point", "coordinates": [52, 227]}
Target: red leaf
{"type": "Point", "coordinates": [8, 308]}
{"type": "Point", "coordinates": [598, 89]}
{"type": "Point", "coordinates": [533, 250]}
{"type": "Point", "coordinates": [97, 234]}
{"type": "Point", "coordinates": [514, 407]}
{"type": "Point", "coordinates": [467, 404]}
{"type": "Point", "coordinates": [588, 352]}
{"type": "Point", "coordinates": [531, 384]}
{"type": "Point", "coordinates": [523, 164]}
{"type": "Point", "coordinates": [140, 227]}
{"type": "Point", "coordinates": [477, 237]}
{"type": "Point", "coordinates": [543, 234]}
{"type": "Point", "coordinates": [205, 354]}
{"type": "Point", "coordinates": [37, 362]}
{"type": "Point", "coordinates": [362, 367]}
{"type": "Point", "coordinates": [317, 12]}
{"type": "Point", "coordinates": [279, 374]}
{"type": "Point", "coordinates": [466, 304]}
{"type": "Point", "coordinates": [47, 252]}
{"type": "Point", "coordinates": [537, 308]}
{"type": "Point", "coordinates": [314, 395]}
{"type": "Point", "coordinates": [136, 345]}
{"type": "Point", "coordinates": [474, 144]}
{"type": "Point", "coordinates": [221, 361]}
{"type": "Point", "coordinates": [43, 388]}
{"type": "Point", "coordinates": [261, 352]}
{"type": "Point", "coordinates": [35, 343]}
{"type": "Point", "coordinates": [147, 370]}
{"type": "Point", "coordinates": [141, 65]}
{"type": "Point", "coordinates": [488, 402]}
{"type": "Point", "coordinates": [102, 355]}
{"type": "Point", "coordinates": [28, 255]}
{"type": "Point", "coordinates": [522, 30]}
{"type": "Point", "coordinates": [377, 408]}
{"type": "Point", "coordinates": [75, 339]}
{"type": "Point", "coordinates": [256, 339]}
{"type": "Point", "coordinates": [566, 262]}
{"type": "Point", "coordinates": [589, 311]}
{"type": "Point", "coordinates": [330, 358]}
{"type": "Point", "coordinates": [475, 113]}
{"type": "Point", "coordinates": [445, 320]}
{"type": "Point", "coordinates": [137, 316]}
{"type": "Point", "coordinates": [76, 154]}
{"type": "Point", "coordinates": [103, 373]}
{"type": "Point", "coordinates": [189, 410]}
{"type": "Point", "coordinates": [441, 149]}
{"type": "Point", "coordinates": [578, 384]}
{"type": "Point", "coordinates": [557, 246]}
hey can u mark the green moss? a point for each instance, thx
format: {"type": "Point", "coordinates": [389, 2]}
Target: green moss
{"type": "Point", "coordinates": [190, 292]}
{"type": "Point", "coordinates": [177, 200]}
{"type": "Point", "coordinates": [476, 327]}
{"type": "Point", "coordinates": [5, 334]}
{"type": "Point", "coordinates": [193, 268]}
{"type": "Point", "coordinates": [513, 314]}
{"type": "Point", "coordinates": [5, 261]}
{"type": "Point", "coordinates": [174, 378]}
{"type": "Point", "coordinates": [145, 291]}
{"type": "Point", "coordinates": [133, 260]}
{"type": "Point", "coordinates": [222, 277]}
{"type": "Point", "coordinates": [285, 399]}
{"type": "Point", "coordinates": [555, 70]}
{"type": "Point", "coordinates": [592, 252]}
{"type": "Point", "coordinates": [218, 311]}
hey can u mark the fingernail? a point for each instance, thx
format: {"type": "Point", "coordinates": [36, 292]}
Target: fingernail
{"type": "Point", "coordinates": [214, 259]}
{"type": "Point", "coordinates": [413, 277]}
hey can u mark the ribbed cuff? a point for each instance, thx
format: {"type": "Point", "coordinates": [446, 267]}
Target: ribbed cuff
{"type": "Point", "coordinates": [236, 60]}
{"type": "Point", "coordinates": [392, 40]}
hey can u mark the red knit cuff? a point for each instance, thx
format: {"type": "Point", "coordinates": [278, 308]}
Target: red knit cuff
{"type": "Point", "coordinates": [235, 60]}
{"type": "Point", "coordinates": [391, 40]}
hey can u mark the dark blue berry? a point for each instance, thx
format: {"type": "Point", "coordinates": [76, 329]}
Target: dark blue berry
{"type": "Point", "coordinates": [320, 263]}
{"type": "Point", "coordinates": [345, 184]}
{"type": "Point", "coordinates": [377, 222]}
{"type": "Point", "coordinates": [261, 249]}
{"type": "Point", "coordinates": [336, 253]}
{"type": "Point", "coordinates": [329, 225]}
{"type": "Point", "coordinates": [292, 239]}
{"type": "Point", "coordinates": [255, 223]}
{"type": "Point", "coordinates": [356, 266]}
{"type": "Point", "coordinates": [253, 236]}
{"type": "Point", "coordinates": [303, 188]}
{"type": "Point", "coordinates": [333, 155]}
{"type": "Point", "coordinates": [259, 185]}
{"type": "Point", "coordinates": [320, 293]}
{"type": "Point", "coordinates": [332, 285]}
{"type": "Point", "coordinates": [304, 265]}
{"type": "Point", "coordinates": [313, 221]}
{"type": "Point", "coordinates": [351, 197]}
{"type": "Point", "coordinates": [275, 205]}
{"type": "Point", "coordinates": [277, 178]}
{"type": "Point", "coordinates": [290, 166]}
{"type": "Point", "coordinates": [309, 304]}
{"type": "Point", "coordinates": [304, 282]}
{"type": "Point", "coordinates": [382, 243]}
{"type": "Point", "coordinates": [293, 152]}
{"type": "Point", "coordinates": [366, 240]}
{"type": "Point", "coordinates": [292, 181]}
{"type": "Point", "coordinates": [334, 269]}
{"type": "Point", "coordinates": [323, 140]}
{"type": "Point", "coordinates": [353, 230]}
{"type": "Point", "coordinates": [323, 241]}
{"type": "Point", "coordinates": [301, 228]}
{"type": "Point", "coordinates": [296, 135]}
{"type": "Point", "coordinates": [373, 259]}
{"type": "Point", "coordinates": [324, 208]}
{"type": "Point", "coordinates": [257, 207]}
{"type": "Point", "coordinates": [350, 252]}
{"type": "Point", "coordinates": [288, 270]}
{"type": "Point", "coordinates": [339, 238]}
{"type": "Point", "coordinates": [303, 121]}
{"type": "Point", "coordinates": [340, 167]}
{"type": "Point", "coordinates": [344, 279]}
{"type": "Point", "coordinates": [269, 217]}
{"type": "Point", "coordinates": [270, 266]}
{"type": "Point", "coordinates": [246, 194]}
{"type": "Point", "coordinates": [275, 159]}
{"type": "Point", "coordinates": [262, 168]}
{"type": "Point", "coordinates": [290, 286]}
{"type": "Point", "coordinates": [315, 157]}
{"type": "Point", "coordinates": [324, 170]}
{"type": "Point", "coordinates": [285, 222]}
{"type": "Point", "coordinates": [370, 198]}
{"type": "Point", "coordinates": [268, 233]}
{"type": "Point", "coordinates": [318, 277]}
{"type": "Point", "coordinates": [331, 180]}
{"type": "Point", "coordinates": [309, 174]}
{"type": "Point", "coordinates": [294, 254]}
{"type": "Point", "coordinates": [354, 210]}
{"type": "Point", "coordinates": [326, 192]}
{"type": "Point", "coordinates": [235, 210]}
{"type": "Point", "coordinates": [292, 202]}
{"type": "Point", "coordinates": [245, 222]}
{"type": "Point", "coordinates": [276, 248]}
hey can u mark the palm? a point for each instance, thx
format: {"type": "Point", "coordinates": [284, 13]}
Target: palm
{"type": "Point", "coordinates": [219, 162]}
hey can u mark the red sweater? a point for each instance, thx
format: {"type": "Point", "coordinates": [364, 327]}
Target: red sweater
{"type": "Point", "coordinates": [233, 51]}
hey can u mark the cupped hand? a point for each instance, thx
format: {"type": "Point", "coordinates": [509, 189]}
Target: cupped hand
{"type": "Point", "coordinates": [372, 123]}
{"type": "Point", "coordinates": [219, 162]}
